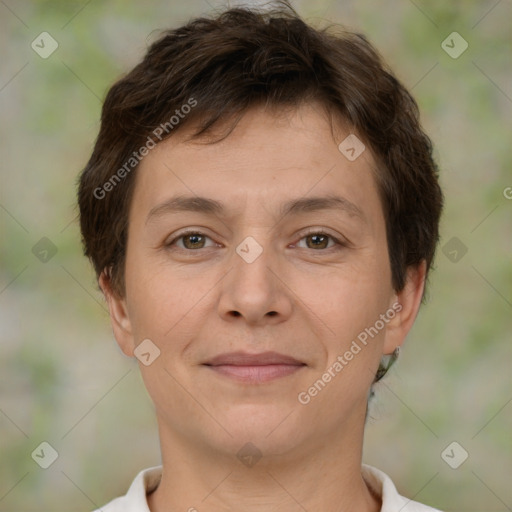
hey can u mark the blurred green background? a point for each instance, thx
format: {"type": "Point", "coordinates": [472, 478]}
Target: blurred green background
{"type": "Point", "coordinates": [62, 377]}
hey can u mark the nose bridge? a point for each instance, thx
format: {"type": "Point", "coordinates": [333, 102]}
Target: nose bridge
{"type": "Point", "coordinates": [252, 289]}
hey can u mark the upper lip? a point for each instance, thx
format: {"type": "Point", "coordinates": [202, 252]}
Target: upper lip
{"type": "Point", "coordinates": [247, 359]}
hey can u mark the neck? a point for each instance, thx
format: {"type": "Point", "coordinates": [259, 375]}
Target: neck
{"type": "Point", "coordinates": [325, 475]}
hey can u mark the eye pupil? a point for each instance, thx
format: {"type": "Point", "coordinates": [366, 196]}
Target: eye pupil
{"type": "Point", "coordinates": [195, 239]}
{"type": "Point", "coordinates": [316, 238]}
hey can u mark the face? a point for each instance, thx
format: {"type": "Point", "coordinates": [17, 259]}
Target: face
{"type": "Point", "coordinates": [266, 288]}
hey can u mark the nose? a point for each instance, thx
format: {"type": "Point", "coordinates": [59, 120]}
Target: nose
{"type": "Point", "coordinates": [255, 290]}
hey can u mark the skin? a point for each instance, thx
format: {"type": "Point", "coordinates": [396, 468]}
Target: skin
{"type": "Point", "coordinates": [303, 297]}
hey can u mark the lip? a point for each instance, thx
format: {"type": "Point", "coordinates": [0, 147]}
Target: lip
{"type": "Point", "coordinates": [247, 359]}
{"type": "Point", "coordinates": [246, 367]}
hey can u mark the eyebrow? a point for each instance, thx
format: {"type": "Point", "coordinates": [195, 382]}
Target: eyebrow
{"type": "Point", "coordinates": [178, 204]}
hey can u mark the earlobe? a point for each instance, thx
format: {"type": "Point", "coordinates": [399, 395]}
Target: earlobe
{"type": "Point", "coordinates": [119, 317]}
{"type": "Point", "coordinates": [409, 301]}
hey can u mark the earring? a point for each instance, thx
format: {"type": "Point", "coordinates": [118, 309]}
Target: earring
{"type": "Point", "coordinates": [383, 368]}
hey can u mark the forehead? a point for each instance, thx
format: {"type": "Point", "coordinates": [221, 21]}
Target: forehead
{"type": "Point", "coordinates": [284, 161]}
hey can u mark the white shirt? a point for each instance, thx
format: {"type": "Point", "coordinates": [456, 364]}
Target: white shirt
{"type": "Point", "coordinates": [147, 481]}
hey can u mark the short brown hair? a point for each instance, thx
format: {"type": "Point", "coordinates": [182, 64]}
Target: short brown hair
{"type": "Point", "coordinates": [241, 58]}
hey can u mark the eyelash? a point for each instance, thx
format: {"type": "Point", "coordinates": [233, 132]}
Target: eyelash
{"type": "Point", "coordinates": [337, 242]}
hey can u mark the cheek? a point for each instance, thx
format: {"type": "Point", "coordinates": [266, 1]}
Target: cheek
{"type": "Point", "coordinates": [155, 299]}
{"type": "Point", "coordinates": [347, 308]}
{"type": "Point", "coordinates": [168, 305]}
{"type": "Point", "coordinates": [347, 298]}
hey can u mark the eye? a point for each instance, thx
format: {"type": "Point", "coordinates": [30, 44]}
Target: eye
{"type": "Point", "coordinates": [191, 240]}
{"type": "Point", "coordinates": [320, 240]}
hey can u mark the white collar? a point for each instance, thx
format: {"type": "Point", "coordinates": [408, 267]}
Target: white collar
{"type": "Point", "coordinates": [148, 479]}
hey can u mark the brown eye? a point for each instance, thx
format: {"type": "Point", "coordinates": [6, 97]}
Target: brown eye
{"type": "Point", "coordinates": [193, 241]}
{"type": "Point", "coordinates": [318, 241]}
{"type": "Point", "coordinates": [190, 241]}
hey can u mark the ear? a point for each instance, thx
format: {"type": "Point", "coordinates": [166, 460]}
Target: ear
{"type": "Point", "coordinates": [119, 318]}
{"type": "Point", "coordinates": [406, 305]}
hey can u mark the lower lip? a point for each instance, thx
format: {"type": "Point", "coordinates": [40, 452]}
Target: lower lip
{"type": "Point", "coordinates": [263, 373]}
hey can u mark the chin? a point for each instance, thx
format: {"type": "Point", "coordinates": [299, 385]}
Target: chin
{"type": "Point", "coordinates": [270, 428]}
